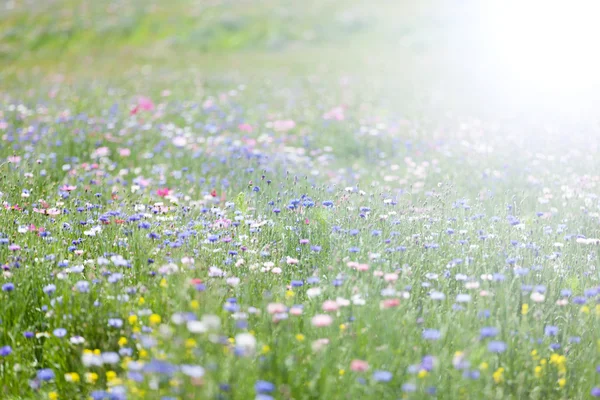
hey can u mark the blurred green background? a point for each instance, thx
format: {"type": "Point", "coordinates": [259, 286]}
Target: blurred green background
{"type": "Point", "coordinates": [397, 42]}
{"type": "Point", "coordinates": [432, 51]}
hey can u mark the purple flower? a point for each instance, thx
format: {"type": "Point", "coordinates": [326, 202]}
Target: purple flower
{"type": "Point", "coordinates": [60, 332]}
{"type": "Point", "coordinates": [45, 374]}
{"type": "Point", "coordinates": [382, 376]}
{"type": "Point", "coordinates": [488, 331]}
{"type": "Point", "coordinates": [595, 392]}
{"type": "Point", "coordinates": [5, 351]}
{"type": "Point", "coordinates": [49, 289]}
{"type": "Point", "coordinates": [497, 347]}
{"type": "Point", "coordinates": [431, 334]}
{"type": "Point", "coordinates": [551, 330]}
{"type": "Point", "coordinates": [8, 287]}
{"type": "Point", "coordinates": [264, 387]}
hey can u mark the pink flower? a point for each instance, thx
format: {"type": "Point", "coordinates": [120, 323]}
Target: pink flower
{"type": "Point", "coordinates": [321, 320]}
{"type": "Point", "coordinates": [276, 308]}
{"type": "Point", "coordinates": [359, 365]}
{"type": "Point", "coordinates": [101, 152]}
{"type": "Point", "coordinates": [68, 188]}
{"type": "Point", "coordinates": [291, 261]}
{"type": "Point", "coordinates": [336, 113]}
{"type": "Point", "coordinates": [245, 127]}
{"type": "Point", "coordinates": [14, 159]}
{"type": "Point", "coordinates": [389, 303]}
{"type": "Point", "coordinates": [319, 344]}
{"type": "Point", "coordinates": [163, 192]}
{"type": "Point", "coordinates": [296, 310]}
{"type": "Point", "coordinates": [222, 223]}
{"type": "Point", "coordinates": [330, 305]}
{"type": "Point", "coordinates": [124, 152]}
{"type": "Point", "coordinates": [390, 277]}
{"type": "Point", "coordinates": [283, 125]}
{"type": "Point", "coordinates": [145, 103]}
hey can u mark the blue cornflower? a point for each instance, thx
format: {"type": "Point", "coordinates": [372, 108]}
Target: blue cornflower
{"type": "Point", "coordinates": [382, 376]}
{"type": "Point", "coordinates": [551, 330]}
{"type": "Point", "coordinates": [45, 374]}
{"type": "Point", "coordinates": [431, 334]}
{"type": "Point", "coordinates": [264, 387]}
{"type": "Point", "coordinates": [496, 347]}
{"type": "Point", "coordinates": [5, 351]}
{"type": "Point", "coordinates": [488, 331]}
{"type": "Point", "coordinates": [60, 332]}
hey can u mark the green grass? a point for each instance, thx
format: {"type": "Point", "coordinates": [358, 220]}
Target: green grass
{"type": "Point", "coordinates": [437, 187]}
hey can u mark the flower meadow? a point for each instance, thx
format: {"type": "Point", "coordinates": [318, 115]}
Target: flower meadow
{"type": "Point", "coordinates": [291, 240]}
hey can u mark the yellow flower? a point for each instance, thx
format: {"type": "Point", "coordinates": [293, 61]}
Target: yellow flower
{"type": "Point", "coordinates": [585, 310]}
{"type": "Point", "coordinates": [538, 371]}
{"type": "Point", "coordinates": [189, 343]}
{"type": "Point", "coordinates": [300, 337]}
{"type": "Point", "coordinates": [143, 353]}
{"type": "Point", "coordinates": [132, 319]}
{"type": "Point", "coordinates": [122, 341]}
{"type": "Point", "coordinates": [498, 378]}
{"type": "Point", "coordinates": [53, 395]}
{"type": "Point", "coordinates": [422, 373]}
{"type": "Point", "coordinates": [289, 294]}
{"type": "Point", "coordinates": [163, 282]}
{"type": "Point", "coordinates": [141, 301]}
{"type": "Point", "coordinates": [483, 366]}
{"type": "Point", "coordinates": [91, 377]}
{"type": "Point", "coordinates": [125, 362]}
{"type": "Point", "coordinates": [342, 327]}
{"type": "Point", "coordinates": [97, 352]}
{"type": "Point", "coordinates": [342, 372]}
{"type": "Point", "coordinates": [111, 375]}
{"type": "Point", "coordinates": [266, 349]}
{"type": "Point", "coordinates": [597, 310]}
{"type": "Point", "coordinates": [72, 377]}
{"type": "Point", "coordinates": [543, 361]}
{"type": "Point", "coordinates": [562, 382]}
{"type": "Point", "coordinates": [194, 304]}
{"type": "Point", "coordinates": [155, 319]}
{"type": "Point", "coordinates": [524, 308]}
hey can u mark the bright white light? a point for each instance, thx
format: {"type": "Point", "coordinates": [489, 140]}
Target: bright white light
{"type": "Point", "coordinates": [550, 46]}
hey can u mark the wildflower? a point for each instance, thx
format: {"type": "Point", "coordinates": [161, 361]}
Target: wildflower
{"type": "Point", "coordinates": [488, 332]}
{"type": "Point", "coordinates": [359, 366]}
{"type": "Point", "coordinates": [497, 347]}
{"type": "Point", "coordinates": [264, 387]}
{"type": "Point", "coordinates": [550, 330]}
{"type": "Point", "coordinates": [300, 337]}
{"type": "Point", "coordinates": [498, 375]}
{"type": "Point", "coordinates": [72, 377]}
{"type": "Point", "coordinates": [45, 374]}
{"type": "Point", "coordinates": [91, 377]}
{"type": "Point", "coordinates": [155, 319]}
{"type": "Point", "coordinates": [431, 334]}
{"type": "Point", "coordinates": [382, 376]}
{"type": "Point", "coordinates": [8, 287]}
{"type": "Point", "coordinates": [321, 320]}
{"type": "Point", "coordinates": [524, 308]}
{"type": "Point", "coordinates": [52, 396]}
{"type": "Point", "coordinates": [5, 351]}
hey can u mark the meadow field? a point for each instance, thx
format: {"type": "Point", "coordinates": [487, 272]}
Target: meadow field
{"type": "Point", "coordinates": [269, 199]}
